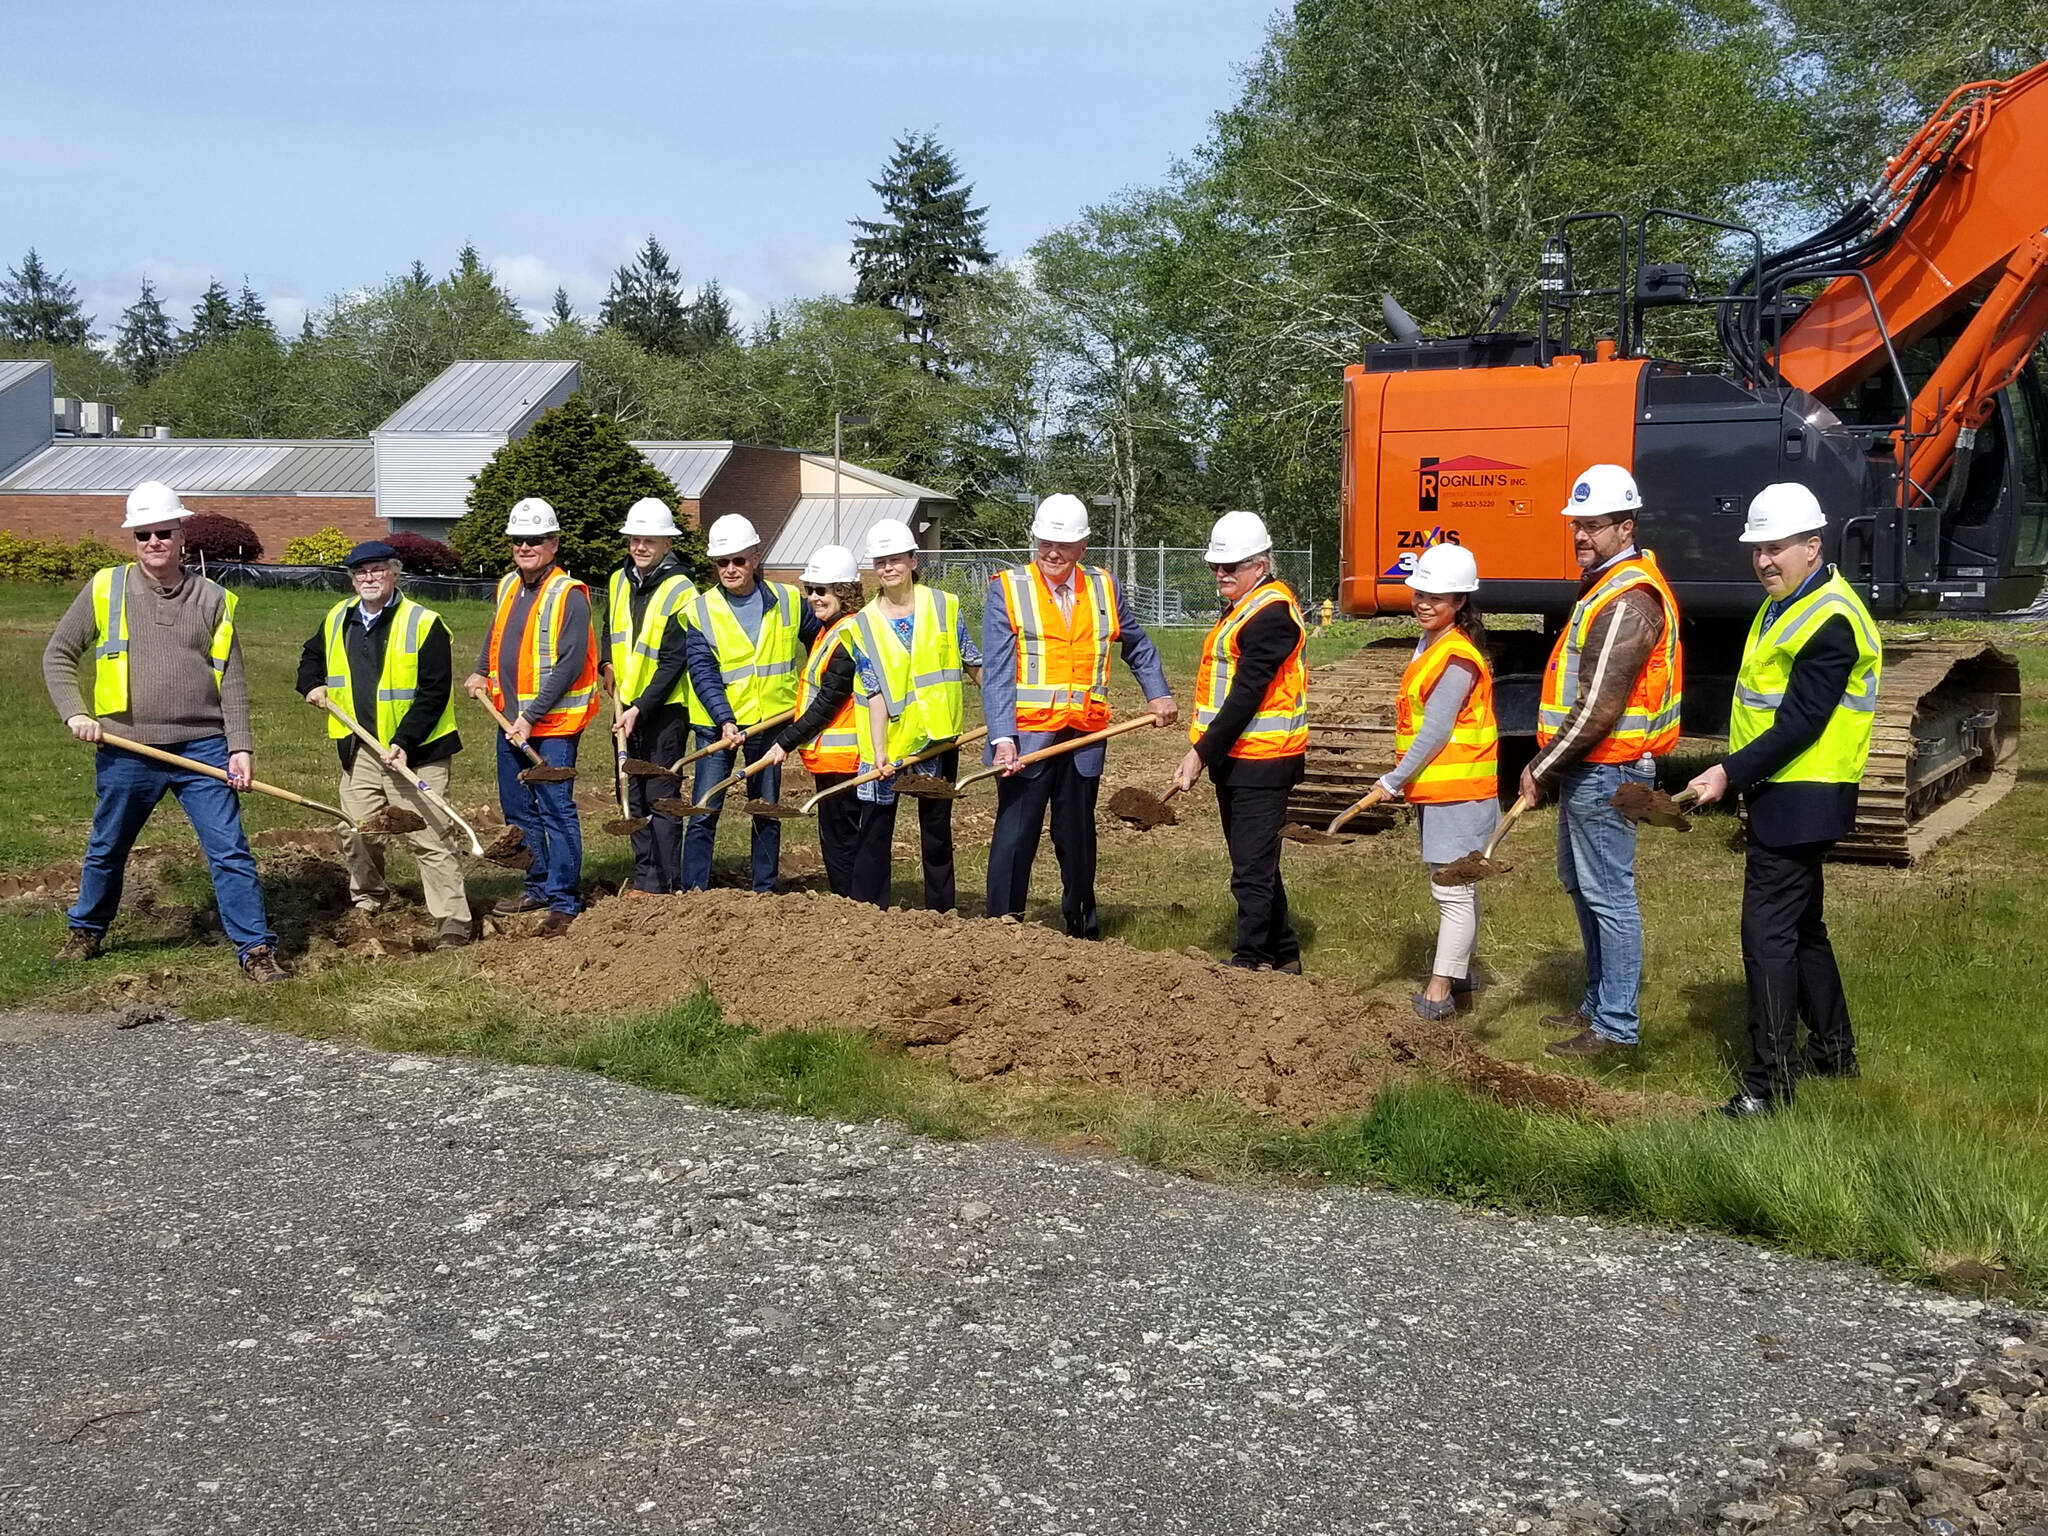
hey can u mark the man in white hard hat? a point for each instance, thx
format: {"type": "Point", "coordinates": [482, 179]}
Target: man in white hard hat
{"type": "Point", "coordinates": [1608, 709]}
{"type": "Point", "coordinates": [746, 642]}
{"type": "Point", "coordinates": [646, 663]}
{"type": "Point", "coordinates": [1046, 630]}
{"type": "Point", "coordinates": [390, 664]}
{"type": "Point", "coordinates": [181, 688]}
{"type": "Point", "coordinates": [1250, 731]}
{"type": "Point", "coordinates": [1798, 736]}
{"type": "Point", "coordinates": [538, 666]}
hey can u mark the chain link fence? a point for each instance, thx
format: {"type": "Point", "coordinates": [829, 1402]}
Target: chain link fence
{"type": "Point", "coordinates": [1168, 588]}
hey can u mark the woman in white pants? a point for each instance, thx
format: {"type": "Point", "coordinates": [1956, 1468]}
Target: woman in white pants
{"type": "Point", "coordinates": [1449, 746]}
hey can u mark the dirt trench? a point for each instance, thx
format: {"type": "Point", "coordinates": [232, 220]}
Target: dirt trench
{"type": "Point", "coordinates": [995, 997]}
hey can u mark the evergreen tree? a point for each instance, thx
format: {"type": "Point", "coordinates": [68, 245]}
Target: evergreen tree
{"type": "Point", "coordinates": [930, 243]}
{"type": "Point", "coordinates": [250, 315]}
{"type": "Point", "coordinates": [306, 332]}
{"type": "Point", "coordinates": [708, 320]}
{"type": "Point", "coordinates": [563, 315]}
{"type": "Point", "coordinates": [645, 301]}
{"type": "Point", "coordinates": [480, 313]}
{"type": "Point", "coordinates": [144, 344]}
{"type": "Point", "coordinates": [418, 280]}
{"type": "Point", "coordinates": [39, 306]}
{"type": "Point", "coordinates": [213, 318]}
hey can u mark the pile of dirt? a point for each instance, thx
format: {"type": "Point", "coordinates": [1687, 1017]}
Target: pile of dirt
{"type": "Point", "coordinates": [996, 997]}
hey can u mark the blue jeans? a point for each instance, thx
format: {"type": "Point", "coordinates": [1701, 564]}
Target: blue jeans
{"type": "Point", "coordinates": [1596, 864]}
{"type": "Point", "coordinates": [129, 787]}
{"type": "Point", "coordinates": [546, 814]}
{"type": "Point", "coordinates": [702, 831]}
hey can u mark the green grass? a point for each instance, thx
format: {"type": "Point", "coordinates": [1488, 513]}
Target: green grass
{"type": "Point", "coordinates": [1939, 1155]}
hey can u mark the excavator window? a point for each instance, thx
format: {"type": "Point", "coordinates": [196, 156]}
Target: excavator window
{"type": "Point", "coordinates": [2029, 397]}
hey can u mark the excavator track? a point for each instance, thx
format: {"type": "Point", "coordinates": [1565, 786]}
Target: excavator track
{"type": "Point", "coordinates": [1350, 734]}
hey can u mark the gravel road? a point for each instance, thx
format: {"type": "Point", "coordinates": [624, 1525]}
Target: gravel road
{"type": "Point", "coordinates": [252, 1282]}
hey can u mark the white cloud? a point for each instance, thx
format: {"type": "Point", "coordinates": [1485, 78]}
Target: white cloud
{"type": "Point", "coordinates": [807, 271]}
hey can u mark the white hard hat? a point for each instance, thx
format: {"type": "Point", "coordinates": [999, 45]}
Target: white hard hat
{"type": "Point", "coordinates": [1238, 536]}
{"type": "Point", "coordinates": [649, 517]}
{"type": "Point", "coordinates": [731, 535]}
{"type": "Point", "coordinates": [1604, 490]}
{"type": "Point", "coordinates": [830, 565]}
{"type": "Point", "coordinates": [890, 537]}
{"type": "Point", "coordinates": [1781, 511]}
{"type": "Point", "coordinates": [531, 515]}
{"type": "Point", "coordinates": [1061, 518]}
{"type": "Point", "coordinates": [1445, 569]}
{"type": "Point", "coordinates": [153, 502]}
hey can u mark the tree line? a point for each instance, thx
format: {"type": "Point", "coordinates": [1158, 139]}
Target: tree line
{"type": "Point", "coordinates": [1180, 346]}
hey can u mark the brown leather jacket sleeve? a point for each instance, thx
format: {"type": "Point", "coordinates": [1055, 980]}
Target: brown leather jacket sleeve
{"type": "Point", "coordinates": [1618, 643]}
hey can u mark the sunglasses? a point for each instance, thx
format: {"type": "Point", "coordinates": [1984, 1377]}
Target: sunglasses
{"type": "Point", "coordinates": [528, 540]}
{"type": "Point", "coordinates": [724, 560]}
{"type": "Point", "coordinates": [817, 591]}
{"type": "Point", "coordinates": [155, 535]}
{"type": "Point", "coordinates": [1228, 567]}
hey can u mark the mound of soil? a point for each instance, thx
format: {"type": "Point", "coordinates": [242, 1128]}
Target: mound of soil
{"type": "Point", "coordinates": [996, 997]}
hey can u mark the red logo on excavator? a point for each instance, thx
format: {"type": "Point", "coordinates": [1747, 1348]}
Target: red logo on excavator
{"type": "Point", "coordinates": [1468, 472]}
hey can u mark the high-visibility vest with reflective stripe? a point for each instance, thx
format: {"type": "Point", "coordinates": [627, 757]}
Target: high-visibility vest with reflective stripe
{"type": "Point", "coordinates": [1767, 658]}
{"type": "Point", "coordinates": [835, 749]}
{"type": "Point", "coordinates": [1062, 664]}
{"type": "Point", "coordinates": [1468, 767]}
{"type": "Point", "coordinates": [759, 675]}
{"type": "Point", "coordinates": [542, 644]}
{"type": "Point", "coordinates": [634, 654]}
{"type": "Point", "coordinates": [1280, 728]}
{"type": "Point", "coordinates": [398, 684]}
{"type": "Point", "coordinates": [920, 685]}
{"type": "Point", "coordinates": [1649, 720]}
{"type": "Point", "coordinates": [110, 637]}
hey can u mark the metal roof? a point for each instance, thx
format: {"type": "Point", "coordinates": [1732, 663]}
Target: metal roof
{"type": "Point", "coordinates": [810, 524]}
{"type": "Point", "coordinates": [692, 466]}
{"type": "Point", "coordinates": [876, 478]}
{"type": "Point", "coordinates": [194, 467]}
{"type": "Point", "coordinates": [13, 373]}
{"type": "Point", "coordinates": [480, 397]}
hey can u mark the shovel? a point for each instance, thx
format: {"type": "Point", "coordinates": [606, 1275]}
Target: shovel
{"type": "Point", "coordinates": [705, 807]}
{"type": "Point", "coordinates": [625, 824]}
{"type": "Point", "coordinates": [1639, 802]}
{"type": "Point", "coordinates": [641, 768]}
{"type": "Point", "coordinates": [1331, 836]}
{"type": "Point", "coordinates": [542, 771]}
{"type": "Point", "coordinates": [938, 749]}
{"type": "Point", "coordinates": [419, 785]}
{"type": "Point", "coordinates": [1059, 748]}
{"type": "Point", "coordinates": [107, 738]}
{"type": "Point", "coordinates": [1143, 809]}
{"type": "Point", "coordinates": [1478, 866]}
{"type": "Point", "coordinates": [508, 850]}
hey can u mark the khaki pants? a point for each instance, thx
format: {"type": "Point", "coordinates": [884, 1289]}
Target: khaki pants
{"type": "Point", "coordinates": [367, 789]}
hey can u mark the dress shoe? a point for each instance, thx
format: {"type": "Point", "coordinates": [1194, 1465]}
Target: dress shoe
{"type": "Point", "coordinates": [512, 906]}
{"type": "Point", "coordinates": [1745, 1106]}
{"type": "Point", "coordinates": [454, 934]}
{"type": "Point", "coordinates": [554, 925]}
{"type": "Point", "coordinates": [1587, 1042]}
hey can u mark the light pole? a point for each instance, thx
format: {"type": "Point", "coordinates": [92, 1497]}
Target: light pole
{"type": "Point", "coordinates": [839, 419]}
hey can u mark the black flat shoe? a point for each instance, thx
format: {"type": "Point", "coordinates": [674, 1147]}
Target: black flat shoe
{"type": "Point", "coordinates": [1745, 1107]}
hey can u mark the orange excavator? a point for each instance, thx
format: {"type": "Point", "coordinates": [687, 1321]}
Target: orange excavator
{"type": "Point", "coordinates": [1892, 362]}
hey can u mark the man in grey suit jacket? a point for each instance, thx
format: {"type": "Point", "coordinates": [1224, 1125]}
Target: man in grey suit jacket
{"type": "Point", "coordinates": [1046, 630]}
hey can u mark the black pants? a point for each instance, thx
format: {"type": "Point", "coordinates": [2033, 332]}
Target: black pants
{"type": "Point", "coordinates": [1252, 818]}
{"type": "Point", "coordinates": [1791, 970]}
{"type": "Point", "coordinates": [658, 851]}
{"type": "Point", "coordinates": [935, 836]}
{"type": "Point", "coordinates": [838, 833]}
{"type": "Point", "coordinates": [1021, 805]}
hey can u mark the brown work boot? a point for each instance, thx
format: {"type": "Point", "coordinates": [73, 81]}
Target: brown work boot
{"type": "Point", "coordinates": [1587, 1042]}
{"type": "Point", "coordinates": [553, 926]}
{"type": "Point", "coordinates": [260, 965]}
{"type": "Point", "coordinates": [512, 906]}
{"type": "Point", "coordinates": [454, 934]}
{"type": "Point", "coordinates": [80, 944]}
{"type": "Point", "coordinates": [1565, 1023]}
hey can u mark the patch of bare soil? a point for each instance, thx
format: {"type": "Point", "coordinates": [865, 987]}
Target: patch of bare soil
{"type": "Point", "coordinates": [1001, 997]}
{"type": "Point", "coordinates": [59, 882]}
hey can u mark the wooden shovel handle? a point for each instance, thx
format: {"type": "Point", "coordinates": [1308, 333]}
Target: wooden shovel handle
{"type": "Point", "coordinates": [719, 745]}
{"type": "Point", "coordinates": [1522, 803]}
{"type": "Point", "coordinates": [141, 749]}
{"type": "Point", "coordinates": [937, 749]}
{"type": "Point", "coordinates": [506, 726]}
{"type": "Point", "coordinates": [1060, 747]}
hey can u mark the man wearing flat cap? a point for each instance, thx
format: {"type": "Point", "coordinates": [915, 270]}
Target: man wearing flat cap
{"type": "Point", "coordinates": [386, 662]}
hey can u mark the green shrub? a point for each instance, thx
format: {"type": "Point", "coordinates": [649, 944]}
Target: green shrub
{"type": "Point", "coordinates": [327, 547]}
{"type": "Point", "coordinates": [52, 560]}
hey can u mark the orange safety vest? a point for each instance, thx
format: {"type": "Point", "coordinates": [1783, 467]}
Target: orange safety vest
{"type": "Point", "coordinates": [1649, 721]}
{"type": "Point", "coordinates": [1468, 767]}
{"type": "Point", "coordinates": [835, 749]}
{"type": "Point", "coordinates": [1062, 665]}
{"type": "Point", "coordinates": [1280, 728]}
{"type": "Point", "coordinates": [537, 653]}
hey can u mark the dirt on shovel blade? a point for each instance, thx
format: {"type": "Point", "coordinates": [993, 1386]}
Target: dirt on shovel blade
{"type": "Point", "coordinates": [625, 826]}
{"type": "Point", "coordinates": [771, 808]}
{"type": "Point", "coordinates": [1469, 869]}
{"type": "Point", "coordinates": [1142, 809]}
{"type": "Point", "coordinates": [508, 849]}
{"type": "Point", "coordinates": [640, 768]}
{"type": "Point", "coordinates": [392, 821]}
{"type": "Point", "coordinates": [674, 805]}
{"type": "Point", "coordinates": [1314, 837]}
{"type": "Point", "coordinates": [542, 774]}
{"type": "Point", "coordinates": [928, 785]}
{"type": "Point", "coordinates": [1639, 802]}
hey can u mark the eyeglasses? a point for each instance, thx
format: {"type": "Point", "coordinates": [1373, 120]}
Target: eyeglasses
{"type": "Point", "coordinates": [155, 535]}
{"type": "Point", "coordinates": [528, 540]}
{"type": "Point", "coordinates": [723, 561]}
{"type": "Point", "coordinates": [817, 591]}
{"type": "Point", "coordinates": [1228, 567]}
{"type": "Point", "coordinates": [370, 572]}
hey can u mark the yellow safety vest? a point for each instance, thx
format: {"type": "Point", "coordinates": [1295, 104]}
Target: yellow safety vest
{"type": "Point", "coordinates": [399, 682]}
{"type": "Point", "coordinates": [759, 675]}
{"type": "Point", "coordinates": [1767, 658]}
{"type": "Point", "coordinates": [921, 686]}
{"type": "Point", "coordinates": [110, 638]}
{"type": "Point", "coordinates": [633, 655]}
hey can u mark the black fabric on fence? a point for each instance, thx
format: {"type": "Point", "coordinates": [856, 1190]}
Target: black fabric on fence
{"type": "Point", "coordinates": [332, 578]}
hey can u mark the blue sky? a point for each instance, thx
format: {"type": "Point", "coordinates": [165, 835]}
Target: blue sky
{"type": "Point", "coordinates": [320, 148]}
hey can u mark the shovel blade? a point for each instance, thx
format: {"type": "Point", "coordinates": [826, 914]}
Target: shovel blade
{"type": "Point", "coordinates": [674, 806]}
{"type": "Point", "coordinates": [772, 808]}
{"type": "Point", "coordinates": [508, 850]}
{"type": "Point", "coordinates": [541, 774]}
{"type": "Point", "coordinates": [1315, 837]}
{"type": "Point", "coordinates": [1469, 870]}
{"type": "Point", "coordinates": [1638, 802]}
{"type": "Point", "coordinates": [1142, 810]}
{"type": "Point", "coordinates": [625, 826]}
{"type": "Point", "coordinates": [392, 821]}
{"type": "Point", "coordinates": [640, 768]}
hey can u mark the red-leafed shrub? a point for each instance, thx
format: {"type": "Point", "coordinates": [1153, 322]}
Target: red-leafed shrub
{"type": "Point", "coordinates": [221, 538]}
{"type": "Point", "coordinates": [424, 556]}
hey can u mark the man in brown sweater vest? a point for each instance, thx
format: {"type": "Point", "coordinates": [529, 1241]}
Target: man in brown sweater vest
{"type": "Point", "coordinates": [166, 668]}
